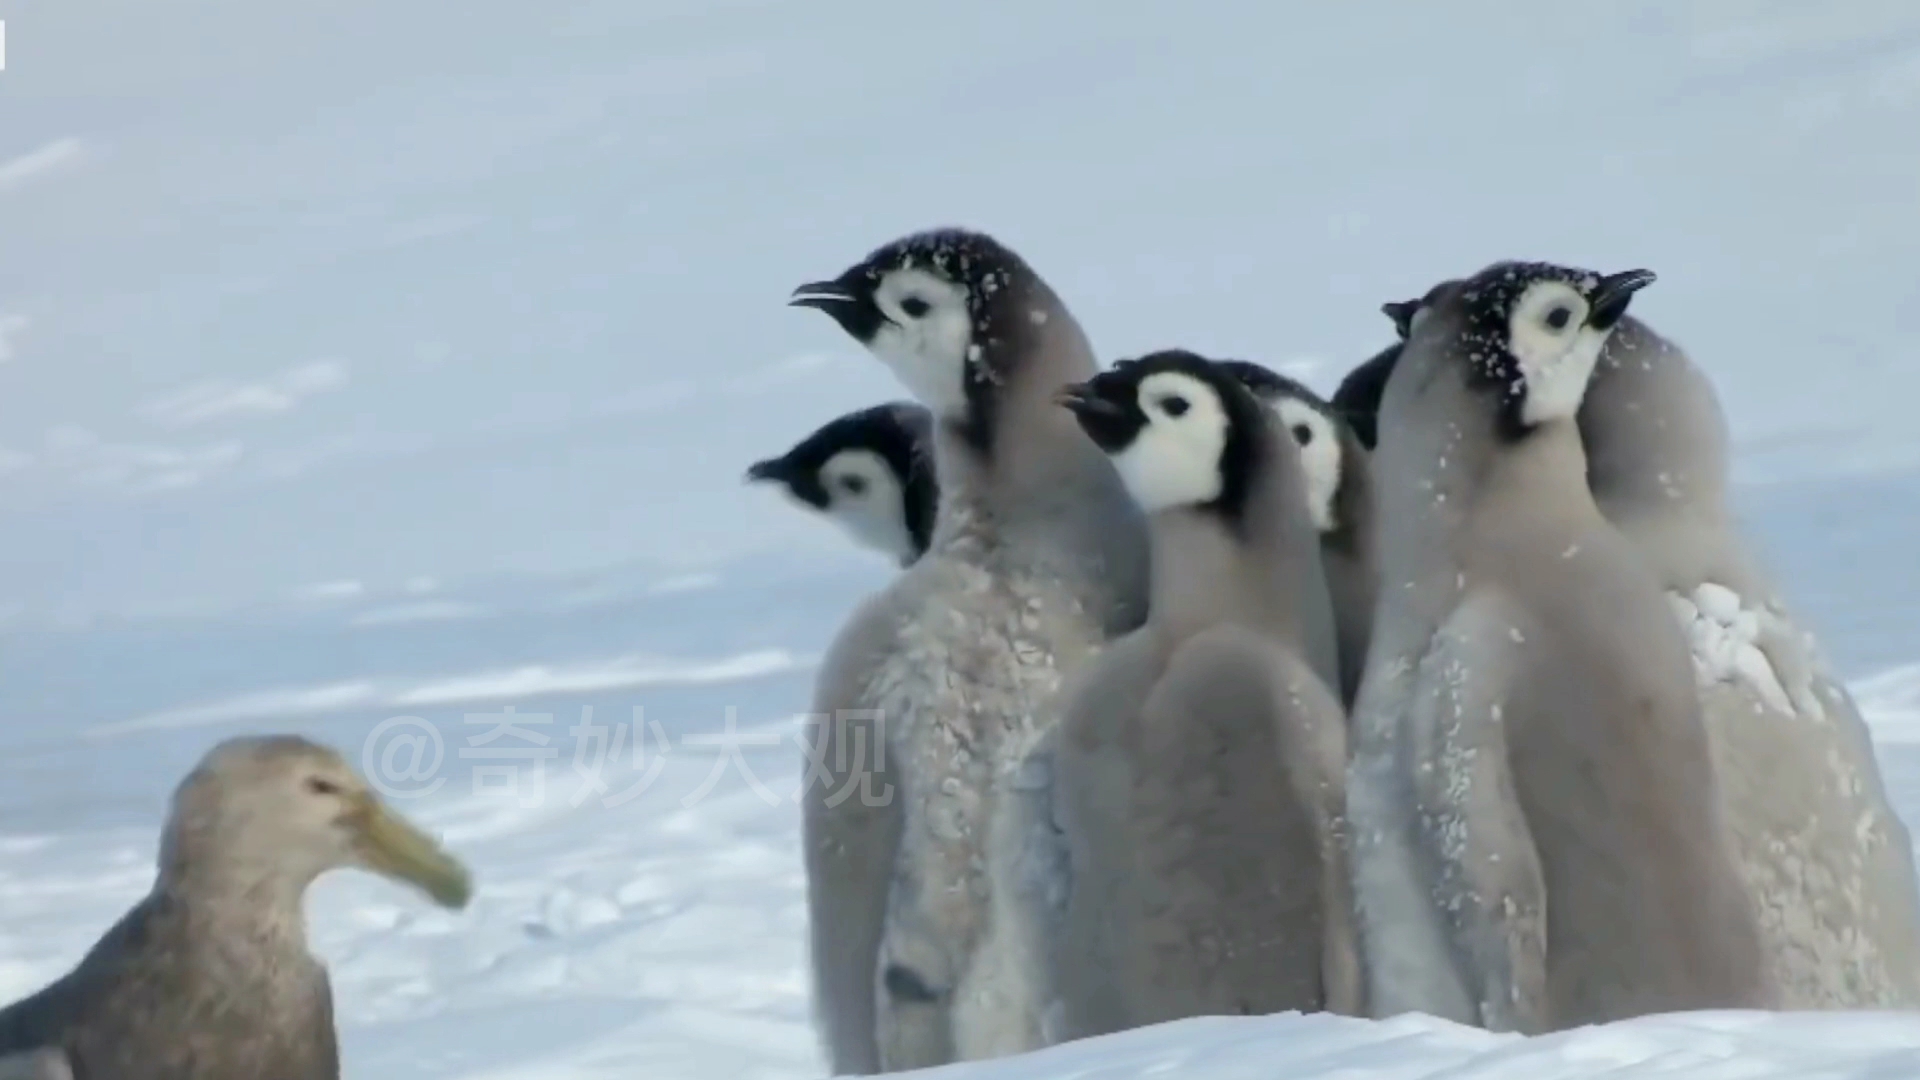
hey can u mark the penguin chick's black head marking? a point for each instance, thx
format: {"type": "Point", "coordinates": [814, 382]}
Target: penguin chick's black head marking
{"type": "Point", "coordinates": [870, 469]}
{"type": "Point", "coordinates": [946, 310]}
{"type": "Point", "coordinates": [1266, 383]}
{"type": "Point", "coordinates": [1530, 331]}
{"type": "Point", "coordinates": [1402, 313]}
{"type": "Point", "coordinates": [1317, 429]}
{"type": "Point", "coordinates": [1182, 430]}
{"type": "Point", "coordinates": [1272, 388]}
{"type": "Point", "coordinates": [1357, 399]}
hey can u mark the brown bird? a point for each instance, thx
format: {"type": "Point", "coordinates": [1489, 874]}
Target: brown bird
{"type": "Point", "coordinates": [209, 977]}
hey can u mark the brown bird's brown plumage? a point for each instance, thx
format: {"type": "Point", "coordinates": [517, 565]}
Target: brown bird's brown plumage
{"type": "Point", "coordinates": [209, 976]}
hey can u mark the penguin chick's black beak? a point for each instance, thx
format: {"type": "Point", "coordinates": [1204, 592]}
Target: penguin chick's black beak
{"type": "Point", "coordinates": [1613, 294]}
{"type": "Point", "coordinates": [1402, 313]}
{"type": "Point", "coordinates": [824, 295]}
{"type": "Point", "coordinates": [1105, 421]}
{"type": "Point", "coordinates": [1083, 400]}
{"type": "Point", "coordinates": [798, 480]}
{"type": "Point", "coordinates": [849, 305]}
{"type": "Point", "coordinates": [771, 469]}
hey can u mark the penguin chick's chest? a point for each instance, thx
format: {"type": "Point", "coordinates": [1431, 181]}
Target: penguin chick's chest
{"type": "Point", "coordinates": [982, 662]}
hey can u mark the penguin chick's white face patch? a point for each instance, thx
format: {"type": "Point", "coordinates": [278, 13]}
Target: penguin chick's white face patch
{"type": "Point", "coordinates": [865, 498]}
{"type": "Point", "coordinates": [1175, 460]}
{"type": "Point", "coordinates": [1319, 456]}
{"type": "Point", "coordinates": [1548, 335]}
{"type": "Point", "coordinates": [927, 336]}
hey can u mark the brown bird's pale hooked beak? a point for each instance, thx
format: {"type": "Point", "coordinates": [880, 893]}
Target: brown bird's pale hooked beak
{"type": "Point", "coordinates": [1611, 297]}
{"type": "Point", "coordinates": [394, 847]}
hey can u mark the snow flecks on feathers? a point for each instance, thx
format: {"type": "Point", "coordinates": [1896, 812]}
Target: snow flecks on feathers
{"type": "Point", "coordinates": [1830, 962]}
{"type": "Point", "coordinates": [1487, 339]}
{"type": "Point", "coordinates": [980, 264]}
{"type": "Point", "coordinates": [1453, 759]}
{"type": "Point", "coordinates": [976, 872]}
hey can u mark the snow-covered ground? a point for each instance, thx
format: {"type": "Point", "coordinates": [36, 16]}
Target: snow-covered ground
{"type": "Point", "coordinates": [369, 368]}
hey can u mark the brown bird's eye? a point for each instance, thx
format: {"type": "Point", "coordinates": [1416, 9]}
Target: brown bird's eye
{"type": "Point", "coordinates": [322, 787]}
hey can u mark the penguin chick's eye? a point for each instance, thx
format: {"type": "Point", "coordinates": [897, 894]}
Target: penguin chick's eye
{"type": "Point", "coordinates": [853, 485]}
{"type": "Point", "coordinates": [322, 787]}
{"type": "Point", "coordinates": [915, 307]}
{"type": "Point", "coordinates": [1174, 405]}
{"type": "Point", "coordinates": [1303, 434]}
{"type": "Point", "coordinates": [1559, 317]}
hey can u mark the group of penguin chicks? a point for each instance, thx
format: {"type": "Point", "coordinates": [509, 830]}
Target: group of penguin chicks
{"type": "Point", "coordinates": [1200, 695]}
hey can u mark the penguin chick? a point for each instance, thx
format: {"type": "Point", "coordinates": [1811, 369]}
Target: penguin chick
{"type": "Point", "coordinates": [1823, 852]}
{"type": "Point", "coordinates": [869, 472]}
{"type": "Point", "coordinates": [1200, 765]}
{"type": "Point", "coordinates": [1314, 429]}
{"type": "Point", "coordinates": [928, 901]}
{"type": "Point", "coordinates": [1340, 497]}
{"type": "Point", "coordinates": [1824, 855]}
{"type": "Point", "coordinates": [1527, 739]}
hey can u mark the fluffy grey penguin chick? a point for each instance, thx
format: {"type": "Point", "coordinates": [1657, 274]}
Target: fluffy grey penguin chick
{"type": "Point", "coordinates": [1340, 496]}
{"type": "Point", "coordinates": [1200, 765]}
{"type": "Point", "coordinates": [1823, 852]}
{"type": "Point", "coordinates": [1825, 857]}
{"type": "Point", "coordinates": [928, 891]}
{"type": "Point", "coordinates": [871, 473]}
{"type": "Point", "coordinates": [209, 977]}
{"type": "Point", "coordinates": [1528, 744]}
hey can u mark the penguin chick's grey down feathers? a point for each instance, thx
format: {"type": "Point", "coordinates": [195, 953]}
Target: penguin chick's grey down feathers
{"type": "Point", "coordinates": [1200, 765]}
{"type": "Point", "coordinates": [927, 889]}
{"type": "Point", "coordinates": [1538, 841]}
{"type": "Point", "coordinates": [1825, 857]}
{"type": "Point", "coordinates": [871, 473]}
{"type": "Point", "coordinates": [1340, 496]}
{"type": "Point", "coordinates": [209, 977]}
{"type": "Point", "coordinates": [1823, 852]}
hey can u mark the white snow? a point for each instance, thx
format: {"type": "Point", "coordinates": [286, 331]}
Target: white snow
{"type": "Point", "coordinates": [550, 245]}
{"type": "Point", "coordinates": [1724, 633]}
{"type": "Point", "coordinates": [40, 162]}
